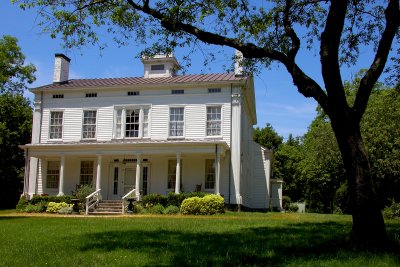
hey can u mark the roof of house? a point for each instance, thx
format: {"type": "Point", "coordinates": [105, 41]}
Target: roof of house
{"type": "Point", "coordinates": [105, 82]}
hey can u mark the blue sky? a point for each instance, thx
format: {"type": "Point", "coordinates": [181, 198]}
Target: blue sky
{"type": "Point", "coordinates": [277, 100]}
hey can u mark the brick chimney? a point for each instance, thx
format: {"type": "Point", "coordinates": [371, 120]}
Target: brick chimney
{"type": "Point", "coordinates": [61, 68]}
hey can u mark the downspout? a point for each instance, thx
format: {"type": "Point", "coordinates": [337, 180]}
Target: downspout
{"type": "Point", "coordinates": [230, 153]}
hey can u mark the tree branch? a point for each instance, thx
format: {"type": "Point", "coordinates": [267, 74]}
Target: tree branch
{"type": "Point", "coordinates": [290, 32]}
{"type": "Point", "coordinates": [392, 15]}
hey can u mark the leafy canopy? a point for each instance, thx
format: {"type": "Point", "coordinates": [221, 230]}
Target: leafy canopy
{"type": "Point", "coordinates": [14, 75]}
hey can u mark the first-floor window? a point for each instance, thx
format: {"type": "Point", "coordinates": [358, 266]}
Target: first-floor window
{"type": "Point", "coordinates": [53, 174]}
{"type": "Point", "coordinates": [56, 125]}
{"type": "Point", "coordinates": [172, 173]}
{"type": "Point", "coordinates": [214, 120]}
{"type": "Point", "coordinates": [210, 174]}
{"type": "Point", "coordinates": [89, 124]}
{"type": "Point", "coordinates": [176, 121]}
{"type": "Point", "coordinates": [86, 174]}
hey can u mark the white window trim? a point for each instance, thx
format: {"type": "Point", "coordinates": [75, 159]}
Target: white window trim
{"type": "Point", "coordinates": [97, 119]}
{"type": "Point", "coordinates": [49, 125]}
{"type": "Point", "coordinates": [45, 174]}
{"type": "Point", "coordinates": [123, 120]}
{"type": "Point", "coordinates": [222, 121]}
{"type": "Point", "coordinates": [184, 121]}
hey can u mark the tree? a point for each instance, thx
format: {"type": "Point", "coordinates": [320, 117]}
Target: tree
{"type": "Point", "coordinates": [264, 32]}
{"type": "Point", "coordinates": [267, 137]}
{"type": "Point", "coordinates": [13, 73]}
{"type": "Point", "coordinates": [15, 129]}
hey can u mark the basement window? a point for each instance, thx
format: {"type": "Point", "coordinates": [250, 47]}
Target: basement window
{"type": "Point", "coordinates": [58, 96]}
{"type": "Point", "coordinates": [177, 92]}
{"type": "Point", "coordinates": [214, 90]}
{"type": "Point", "coordinates": [133, 93]}
{"type": "Point", "coordinates": [91, 94]}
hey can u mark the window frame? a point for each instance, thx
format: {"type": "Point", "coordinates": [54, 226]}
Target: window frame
{"type": "Point", "coordinates": [183, 122]}
{"type": "Point", "coordinates": [157, 67]}
{"type": "Point", "coordinates": [209, 121]}
{"type": "Point", "coordinates": [171, 174]}
{"type": "Point", "coordinates": [207, 173]}
{"type": "Point", "coordinates": [83, 124]}
{"type": "Point", "coordinates": [56, 125]}
{"type": "Point", "coordinates": [121, 127]}
{"type": "Point", "coordinates": [91, 175]}
{"type": "Point", "coordinates": [56, 174]}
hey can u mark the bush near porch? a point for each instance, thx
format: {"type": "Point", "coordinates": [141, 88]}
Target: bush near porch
{"type": "Point", "coordinates": [39, 203]}
{"type": "Point", "coordinates": [171, 199]}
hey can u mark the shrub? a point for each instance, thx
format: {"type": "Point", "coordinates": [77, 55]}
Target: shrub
{"type": "Point", "coordinates": [191, 206]}
{"type": "Point", "coordinates": [153, 200]}
{"type": "Point", "coordinates": [57, 199]}
{"type": "Point", "coordinates": [83, 191]}
{"type": "Point", "coordinates": [157, 209]}
{"type": "Point", "coordinates": [66, 210]}
{"type": "Point", "coordinates": [171, 210]}
{"type": "Point", "coordinates": [292, 207]}
{"type": "Point", "coordinates": [196, 194]}
{"type": "Point", "coordinates": [392, 211]}
{"type": "Point", "coordinates": [33, 208]}
{"type": "Point", "coordinates": [138, 208]}
{"type": "Point", "coordinates": [286, 202]}
{"type": "Point", "coordinates": [175, 199]}
{"type": "Point", "coordinates": [54, 207]}
{"type": "Point", "coordinates": [212, 204]}
{"type": "Point", "coordinates": [22, 203]}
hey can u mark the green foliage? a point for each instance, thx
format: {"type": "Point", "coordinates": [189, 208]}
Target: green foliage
{"type": "Point", "coordinates": [15, 130]}
{"type": "Point", "coordinates": [33, 208]}
{"type": "Point", "coordinates": [22, 203]}
{"type": "Point", "coordinates": [138, 208]}
{"type": "Point", "coordinates": [53, 207]}
{"type": "Point", "coordinates": [83, 191]}
{"type": "Point", "coordinates": [196, 194]}
{"type": "Point", "coordinates": [175, 199]}
{"type": "Point", "coordinates": [37, 199]}
{"type": "Point", "coordinates": [153, 200]}
{"type": "Point", "coordinates": [156, 209]}
{"type": "Point", "coordinates": [14, 74]}
{"type": "Point", "coordinates": [286, 201]}
{"type": "Point", "coordinates": [208, 205]}
{"type": "Point", "coordinates": [392, 211]}
{"type": "Point", "coordinates": [171, 210]}
{"type": "Point", "coordinates": [267, 137]}
{"type": "Point", "coordinates": [66, 210]}
{"type": "Point", "coordinates": [293, 207]}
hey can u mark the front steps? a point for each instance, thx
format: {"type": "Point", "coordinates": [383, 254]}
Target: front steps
{"type": "Point", "coordinates": [107, 207]}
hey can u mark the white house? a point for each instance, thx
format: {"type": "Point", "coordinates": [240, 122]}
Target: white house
{"type": "Point", "coordinates": [158, 133]}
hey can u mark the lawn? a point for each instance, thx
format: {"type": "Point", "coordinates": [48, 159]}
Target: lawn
{"type": "Point", "coordinates": [232, 239]}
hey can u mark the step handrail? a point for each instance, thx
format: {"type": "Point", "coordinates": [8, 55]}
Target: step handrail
{"type": "Point", "coordinates": [124, 199]}
{"type": "Point", "coordinates": [92, 200]}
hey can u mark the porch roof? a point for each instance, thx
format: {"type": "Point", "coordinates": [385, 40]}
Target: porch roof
{"type": "Point", "coordinates": [124, 147]}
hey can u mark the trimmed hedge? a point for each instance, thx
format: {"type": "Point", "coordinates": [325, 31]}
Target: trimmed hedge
{"type": "Point", "coordinates": [208, 205]}
{"type": "Point", "coordinates": [54, 207]}
{"type": "Point", "coordinates": [57, 199]}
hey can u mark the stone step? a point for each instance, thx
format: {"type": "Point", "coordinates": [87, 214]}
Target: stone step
{"type": "Point", "coordinates": [105, 212]}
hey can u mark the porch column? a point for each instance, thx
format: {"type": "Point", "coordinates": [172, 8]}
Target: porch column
{"type": "Point", "coordinates": [178, 174]}
{"type": "Point", "coordinates": [138, 175]}
{"type": "Point", "coordinates": [217, 173]}
{"type": "Point", "coordinates": [61, 183]}
{"type": "Point", "coordinates": [98, 175]}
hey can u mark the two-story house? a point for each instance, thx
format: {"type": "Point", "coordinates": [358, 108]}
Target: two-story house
{"type": "Point", "coordinates": [158, 133]}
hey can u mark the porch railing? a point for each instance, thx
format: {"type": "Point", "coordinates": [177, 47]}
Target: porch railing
{"type": "Point", "coordinates": [92, 200]}
{"type": "Point", "coordinates": [125, 197]}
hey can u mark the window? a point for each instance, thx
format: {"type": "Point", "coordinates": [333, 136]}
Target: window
{"type": "Point", "coordinates": [91, 94]}
{"type": "Point", "coordinates": [89, 124]}
{"type": "Point", "coordinates": [53, 174]}
{"type": "Point", "coordinates": [209, 181]}
{"type": "Point", "coordinates": [176, 121]}
{"type": "Point", "coordinates": [177, 92]}
{"type": "Point", "coordinates": [58, 96]}
{"type": "Point", "coordinates": [56, 124]}
{"type": "Point", "coordinates": [213, 121]}
{"type": "Point", "coordinates": [214, 90]}
{"type": "Point", "coordinates": [132, 122]}
{"type": "Point", "coordinates": [86, 176]}
{"type": "Point", "coordinates": [157, 67]}
{"type": "Point", "coordinates": [133, 93]}
{"type": "Point", "coordinates": [172, 173]}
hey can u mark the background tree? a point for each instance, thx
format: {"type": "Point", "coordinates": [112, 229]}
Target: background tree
{"type": "Point", "coordinates": [15, 119]}
{"type": "Point", "coordinates": [14, 74]}
{"type": "Point", "coordinates": [264, 32]}
{"type": "Point", "coordinates": [268, 137]}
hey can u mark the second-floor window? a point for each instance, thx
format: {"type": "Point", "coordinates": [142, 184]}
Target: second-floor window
{"type": "Point", "coordinates": [89, 124]}
{"type": "Point", "coordinates": [214, 121]}
{"type": "Point", "coordinates": [131, 122]}
{"type": "Point", "coordinates": [56, 125]}
{"type": "Point", "coordinates": [176, 121]}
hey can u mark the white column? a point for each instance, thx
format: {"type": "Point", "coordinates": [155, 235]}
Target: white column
{"type": "Point", "coordinates": [178, 174]}
{"type": "Point", "coordinates": [236, 144]}
{"type": "Point", "coordinates": [98, 175]}
{"type": "Point", "coordinates": [217, 173]}
{"type": "Point", "coordinates": [61, 183]}
{"type": "Point", "coordinates": [33, 173]}
{"type": "Point", "coordinates": [138, 175]}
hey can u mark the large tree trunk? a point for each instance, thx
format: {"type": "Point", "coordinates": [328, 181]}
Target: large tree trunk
{"type": "Point", "coordinates": [368, 226]}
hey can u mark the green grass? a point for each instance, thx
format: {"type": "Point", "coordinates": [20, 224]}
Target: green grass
{"type": "Point", "coordinates": [251, 239]}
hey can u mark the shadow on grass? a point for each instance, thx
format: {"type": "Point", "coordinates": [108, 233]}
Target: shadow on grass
{"type": "Point", "coordinates": [262, 246]}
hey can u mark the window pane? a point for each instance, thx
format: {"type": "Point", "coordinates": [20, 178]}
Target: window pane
{"type": "Point", "coordinates": [86, 175]}
{"type": "Point", "coordinates": [56, 123]}
{"type": "Point", "coordinates": [210, 174]}
{"type": "Point", "coordinates": [176, 125]}
{"type": "Point", "coordinates": [89, 124]}
{"type": "Point", "coordinates": [213, 121]}
{"type": "Point", "coordinates": [53, 174]}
